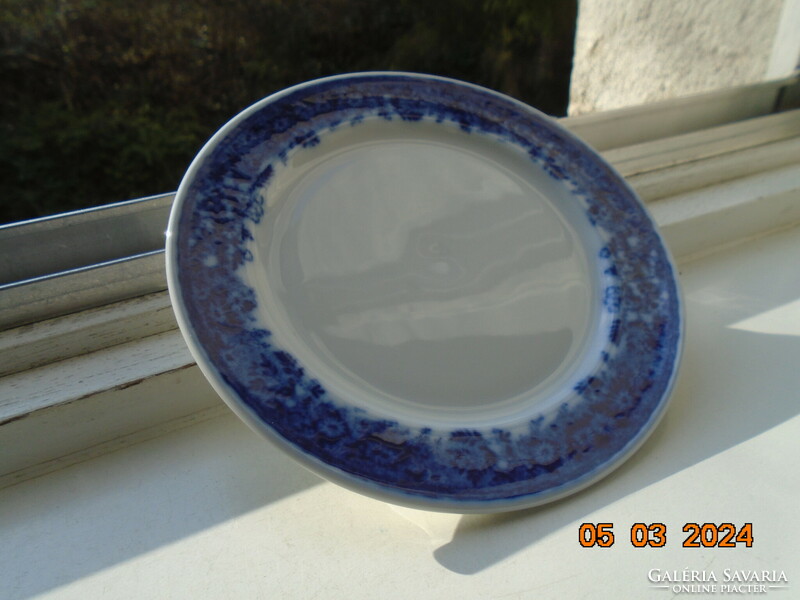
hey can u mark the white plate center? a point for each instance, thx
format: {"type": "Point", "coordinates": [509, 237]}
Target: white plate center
{"type": "Point", "coordinates": [424, 265]}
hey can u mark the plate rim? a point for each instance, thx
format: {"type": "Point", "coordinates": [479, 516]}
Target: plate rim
{"type": "Point", "coordinates": [359, 482]}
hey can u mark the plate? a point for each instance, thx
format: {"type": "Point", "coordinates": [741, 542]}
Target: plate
{"type": "Point", "coordinates": [425, 291]}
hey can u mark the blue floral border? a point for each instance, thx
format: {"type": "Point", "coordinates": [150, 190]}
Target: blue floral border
{"type": "Point", "coordinates": [615, 405]}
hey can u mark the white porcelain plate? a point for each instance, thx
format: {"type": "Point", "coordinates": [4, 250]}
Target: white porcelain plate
{"type": "Point", "coordinates": [425, 291]}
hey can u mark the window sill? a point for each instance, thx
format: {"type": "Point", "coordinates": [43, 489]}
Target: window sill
{"type": "Point", "coordinates": [81, 384]}
{"type": "Point", "coordinates": [214, 510]}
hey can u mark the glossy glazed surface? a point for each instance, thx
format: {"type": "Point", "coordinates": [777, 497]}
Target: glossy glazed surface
{"type": "Point", "coordinates": [425, 291]}
{"type": "Point", "coordinates": [426, 267]}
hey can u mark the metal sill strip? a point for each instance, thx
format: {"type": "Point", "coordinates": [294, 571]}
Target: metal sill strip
{"type": "Point", "coordinates": [63, 264]}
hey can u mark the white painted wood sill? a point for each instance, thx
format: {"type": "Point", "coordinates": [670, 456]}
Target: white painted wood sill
{"type": "Point", "coordinates": [91, 359]}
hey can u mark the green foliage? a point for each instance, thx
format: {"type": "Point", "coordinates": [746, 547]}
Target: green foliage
{"type": "Point", "coordinates": [105, 100]}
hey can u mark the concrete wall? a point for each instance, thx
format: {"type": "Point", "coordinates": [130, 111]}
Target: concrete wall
{"type": "Point", "coordinates": [629, 52]}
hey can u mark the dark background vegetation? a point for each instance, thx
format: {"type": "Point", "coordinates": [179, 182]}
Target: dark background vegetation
{"type": "Point", "coordinates": [105, 100]}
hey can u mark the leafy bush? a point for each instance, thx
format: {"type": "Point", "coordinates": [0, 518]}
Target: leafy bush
{"type": "Point", "coordinates": [106, 100]}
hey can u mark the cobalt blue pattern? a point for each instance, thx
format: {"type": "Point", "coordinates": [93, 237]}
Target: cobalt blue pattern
{"type": "Point", "coordinates": [612, 407]}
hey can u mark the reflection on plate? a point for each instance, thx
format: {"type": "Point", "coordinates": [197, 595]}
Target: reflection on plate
{"type": "Point", "coordinates": [425, 291]}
